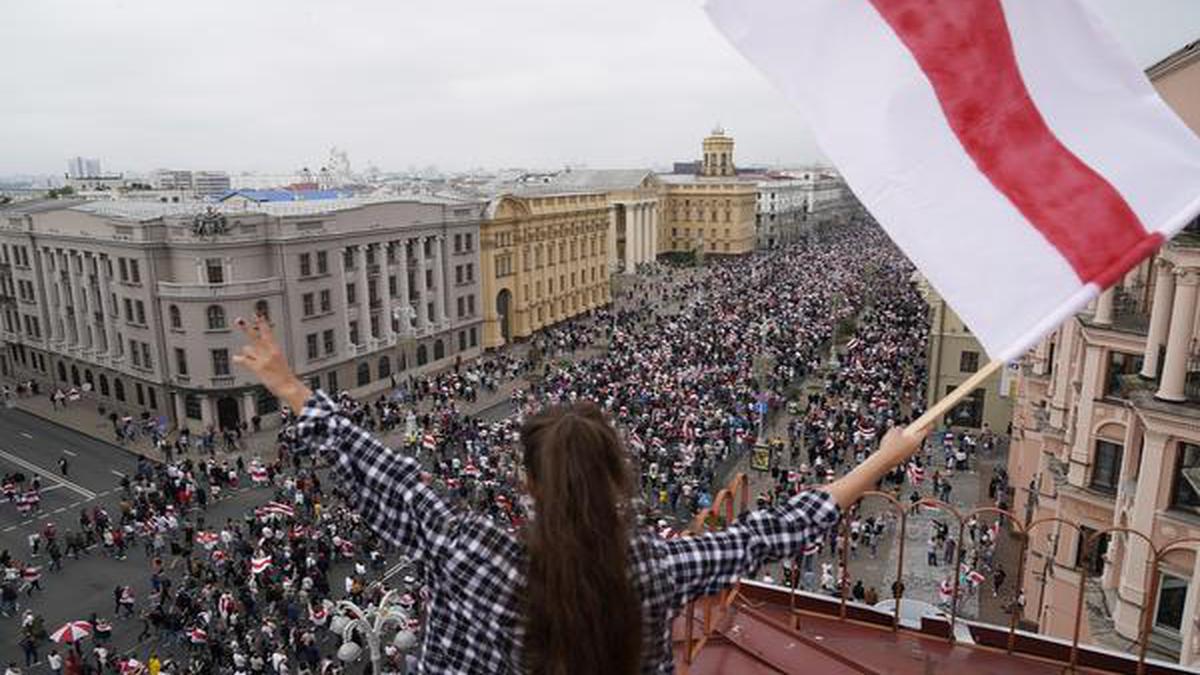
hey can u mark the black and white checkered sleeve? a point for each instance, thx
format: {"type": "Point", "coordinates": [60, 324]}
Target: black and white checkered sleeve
{"type": "Point", "coordinates": [385, 486]}
{"type": "Point", "coordinates": [704, 565]}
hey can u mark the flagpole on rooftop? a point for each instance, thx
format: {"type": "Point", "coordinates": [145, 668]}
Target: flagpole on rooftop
{"type": "Point", "coordinates": [960, 392]}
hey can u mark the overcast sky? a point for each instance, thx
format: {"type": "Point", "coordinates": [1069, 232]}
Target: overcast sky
{"type": "Point", "coordinates": [270, 85]}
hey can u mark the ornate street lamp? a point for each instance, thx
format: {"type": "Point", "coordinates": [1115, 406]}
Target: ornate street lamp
{"type": "Point", "coordinates": [372, 623]}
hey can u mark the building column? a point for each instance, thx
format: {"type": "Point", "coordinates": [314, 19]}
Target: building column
{"type": "Point", "coordinates": [339, 268]}
{"type": "Point", "coordinates": [206, 411]}
{"type": "Point", "coordinates": [1104, 307]}
{"type": "Point", "coordinates": [406, 322]}
{"type": "Point", "coordinates": [423, 318]}
{"type": "Point", "coordinates": [1081, 450]}
{"type": "Point", "coordinates": [249, 406]}
{"type": "Point", "coordinates": [363, 294]}
{"type": "Point", "coordinates": [630, 236]}
{"type": "Point", "coordinates": [439, 278]}
{"type": "Point", "coordinates": [61, 293]}
{"type": "Point", "coordinates": [385, 293]}
{"type": "Point", "coordinates": [1179, 338]}
{"type": "Point", "coordinates": [639, 251]}
{"type": "Point", "coordinates": [653, 232]}
{"type": "Point", "coordinates": [1131, 593]}
{"type": "Point", "coordinates": [52, 301]}
{"type": "Point", "coordinates": [90, 294]}
{"type": "Point", "coordinates": [1160, 316]}
{"type": "Point", "coordinates": [610, 258]}
{"type": "Point", "coordinates": [77, 300]}
{"type": "Point", "coordinates": [110, 323]}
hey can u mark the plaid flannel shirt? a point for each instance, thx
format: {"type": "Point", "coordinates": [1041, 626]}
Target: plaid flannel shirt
{"type": "Point", "coordinates": [475, 567]}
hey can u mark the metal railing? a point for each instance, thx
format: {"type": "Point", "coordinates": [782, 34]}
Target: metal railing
{"type": "Point", "coordinates": [722, 511]}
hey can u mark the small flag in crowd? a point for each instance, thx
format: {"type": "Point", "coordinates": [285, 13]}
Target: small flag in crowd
{"type": "Point", "coordinates": [1009, 147]}
{"type": "Point", "coordinates": [277, 509]}
{"type": "Point", "coordinates": [258, 565]}
{"type": "Point", "coordinates": [916, 473]}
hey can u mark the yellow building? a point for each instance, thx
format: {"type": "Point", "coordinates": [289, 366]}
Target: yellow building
{"type": "Point", "coordinates": [954, 354]}
{"type": "Point", "coordinates": [713, 212]}
{"type": "Point", "coordinates": [544, 256]}
{"type": "Point", "coordinates": [635, 198]}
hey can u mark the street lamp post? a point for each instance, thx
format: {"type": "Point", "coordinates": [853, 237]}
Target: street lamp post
{"type": "Point", "coordinates": [371, 623]}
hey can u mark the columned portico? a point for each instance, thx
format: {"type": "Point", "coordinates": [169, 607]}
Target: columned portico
{"type": "Point", "coordinates": [1179, 339]}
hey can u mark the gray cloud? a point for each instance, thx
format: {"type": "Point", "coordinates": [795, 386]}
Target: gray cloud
{"type": "Point", "coordinates": [271, 84]}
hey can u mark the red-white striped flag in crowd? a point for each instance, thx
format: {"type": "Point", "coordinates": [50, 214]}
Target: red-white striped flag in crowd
{"type": "Point", "coordinates": [916, 473]}
{"type": "Point", "coordinates": [258, 565]}
{"type": "Point", "coordinates": [1009, 147]}
{"type": "Point", "coordinates": [277, 509]}
{"type": "Point", "coordinates": [975, 577]}
{"type": "Point", "coordinates": [207, 539]}
{"type": "Point", "coordinates": [429, 442]}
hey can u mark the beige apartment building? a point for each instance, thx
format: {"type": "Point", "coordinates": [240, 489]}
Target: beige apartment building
{"type": "Point", "coordinates": [1107, 438]}
{"type": "Point", "coordinates": [137, 301]}
{"type": "Point", "coordinates": [713, 212]}
{"type": "Point", "coordinates": [545, 258]}
{"type": "Point", "coordinates": [954, 354]}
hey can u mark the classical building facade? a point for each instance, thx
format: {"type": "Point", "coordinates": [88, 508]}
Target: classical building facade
{"type": "Point", "coordinates": [953, 355]}
{"type": "Point", "coordinates": [545, 258]}
{"type": "Point", "coordinates": [137, 301]}
{"type": "Point", "coordinates": [635, 207]}
{"type": "Point", "coordinates": [1107, 440]}
{"type": "Point", "coordinates": [714, 212]}
{"type": "Point", "coordinates": [781, 211]}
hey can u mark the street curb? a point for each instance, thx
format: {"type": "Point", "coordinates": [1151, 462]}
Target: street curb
{"type": "Point", "coordinates": [67, 427]}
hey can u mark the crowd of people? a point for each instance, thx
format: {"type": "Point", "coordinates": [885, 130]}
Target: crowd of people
{"type": "Point", "coordinates": [692, 366]}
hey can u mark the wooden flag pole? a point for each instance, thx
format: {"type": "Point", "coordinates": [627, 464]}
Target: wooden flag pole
{"type": "Point", "coordinates": [943, 406]}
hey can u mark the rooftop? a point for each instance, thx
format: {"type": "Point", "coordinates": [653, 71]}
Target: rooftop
{"type": "Point", "coordinates": [602, 179]}
{"type": "Point", "coordinates": [148, 211]}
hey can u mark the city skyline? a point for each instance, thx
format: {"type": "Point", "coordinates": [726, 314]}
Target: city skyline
{"type": "Point", "coordinates": [458, 85]}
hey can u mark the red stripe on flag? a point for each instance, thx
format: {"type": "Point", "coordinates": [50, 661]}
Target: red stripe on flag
{"type": "Point", "coordinates": [965, 50]}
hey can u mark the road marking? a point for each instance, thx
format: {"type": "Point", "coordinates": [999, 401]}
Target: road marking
{"type": "Point", "coordinates": [26, 435]}
{"type": "Point", "coordinates": [27, 522]}
{"type": "Point", "coordinates": [49, 475]}
{"type": "Point", "coordinates": [60, 509]}
{"type": "Point", "coordinates": [117, 473]}
{"type": "Point", "coordinates": [69, 453]}
{"type": "Point", "coordinates": [54, 487]}
{"type": "Point", "coordinates": [10, 528]}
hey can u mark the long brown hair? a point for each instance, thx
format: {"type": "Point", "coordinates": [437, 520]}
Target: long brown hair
{"type": "Point", "coordinates": [583, 613]}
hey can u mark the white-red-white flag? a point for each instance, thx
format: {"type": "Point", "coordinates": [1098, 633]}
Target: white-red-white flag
{"type": "Point", "coordinates": [1009, 147]}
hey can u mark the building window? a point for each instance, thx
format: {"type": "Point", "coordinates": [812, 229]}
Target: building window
{"type": "Point", "coordinates": [262, 310]}
{"type": "Point", "coordinates": [385, 367]}
{"type": "Point", "coordinates": [326, 301]}
{"type": "Point", "coordinates": [135, 274]}
{"type": "Point", "coordinates": [220, 362]}
{"type": "Point", "coordinates": [176, 318]}
{"type": "Point", "coordinates": [128, 310]}
{"type": "Point", "coordinates": [1106, 468]}
{"type": "Point", "coordinates": [422, 355]}
{"type": "Point", "coordinates": [214, 271]}
{"type": "Point", "coordinates": [309, 304]}
{"type": "Point", "coordinates": [458, 243]}
{"type": "Point", "coordinates": [322, 263]}
{"type": "Point", "coordinates": [305, 265]}
{"type": "Point", "coordinates": [181, 366]}
{"type": "Point", "coordinates": [141, 312]}
{"type": "Point", "coordinates": [364, 374]}
{"type": "Point", "coordinates": [333, 380]}
{"type": "Point", "coordinates": [1168, 614]}
{"type": "Point", "coordinates": [354, 333]}
{"type": "Point", "coordinates": [191, 407]}
{"type": "Point", "coordinates": [1185, 492]}
{"type": "Point", "coordinates": [467, 242]}
{"type": "Point", "coordinates": [216, 317]}
{"type": "Point", "coordinates": [462, 340]}
{"type": "Point", "coordinates": [328, 339]}
{"type": "Point", "coordinates": [968, 362]}
{"type": "Point", "coordinates": [134, 354]}
{"type": "Point", "coordinates": [1119, 365]}
{"type": "Point", "coordinates": [266, 401]}
{"type": "Point", "coordinates": [439, 350]}
{"type": "Point", "coordinates": [968, 413]}
{"type": "Point", "coordinates": [119, 388]}
{"type": "Point", "coordinates": [146, 362]}
{"type": "Point", "coordinates": [313, 350]}
{"type": "Point", "coordinates": [462, 306]}
{"type": "Point", "coordinates": [1089, 557]}
{"type": "Point", "coordinates": [141, 393]}
{"type": "Point", "coordinates": [350, 294]}
{"type": "Point", "coordinates": [123, 267]}
{"type": "Point", "coordinates": [475, 336]}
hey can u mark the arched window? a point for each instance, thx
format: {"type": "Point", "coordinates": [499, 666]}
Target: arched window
{"type": "Point", "coordinates": [119, 388]}
{"type": "Point", "coordinates": [439, 350]}
{"type": "Point", "coordinates": [422, 355]}
{"type": "Point", "coordinates": [216, 317]}
{"type": "Point", "coordinates": [261, 308]}
{"type": "Point", "coordinates": [176, 317]}
{"type": "Point", "coordinates": [364, 373]}
{"type": "Point", "coordinates": [87, 377]}
{"type": "Point", "coordinates": [103, 384]}
{"type": "Point", "coordinates": [75, 376]}
{"type": "Point", "coordinates": [62, 372]}
{"type": "Point", "coordinates": [385, 367]}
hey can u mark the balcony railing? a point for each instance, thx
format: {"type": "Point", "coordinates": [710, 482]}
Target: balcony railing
{"type": "Point", "coordinates": [706, 620]}
{"type": "Point", "coordinates": [268, 286]}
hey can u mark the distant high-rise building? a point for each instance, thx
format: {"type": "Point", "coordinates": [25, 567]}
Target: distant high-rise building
{"type": "Point", "coordinates": [207, 183]}
{"type": "Point", "coordinates": [83, 167]}
{"type": "Point", "coordinates": [171, 179]}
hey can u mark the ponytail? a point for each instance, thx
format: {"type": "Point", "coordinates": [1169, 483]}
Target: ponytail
{"type": "Point", "coordinates": [583, 613]}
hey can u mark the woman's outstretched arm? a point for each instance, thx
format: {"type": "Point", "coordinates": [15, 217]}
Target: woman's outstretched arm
{"type": "Point", "coordinates": [385, 486]}
{"type": "Point", "coordinates": [708, 563]}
